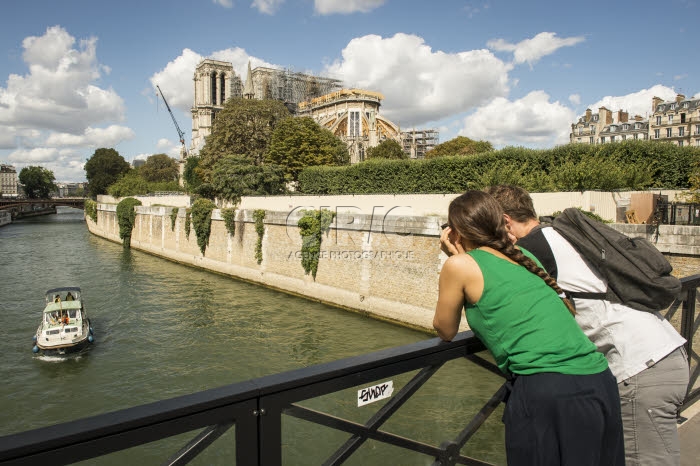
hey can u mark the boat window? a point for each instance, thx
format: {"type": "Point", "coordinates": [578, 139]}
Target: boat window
{"type": "Point", "coordinates": [53, 332]}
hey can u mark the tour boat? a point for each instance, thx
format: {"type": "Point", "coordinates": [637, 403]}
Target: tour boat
{"type": "Point", "coordinates": [64, 326]}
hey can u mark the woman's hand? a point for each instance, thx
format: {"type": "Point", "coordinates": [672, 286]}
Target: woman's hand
{"type": "Point", "coordinates": [449, 242]}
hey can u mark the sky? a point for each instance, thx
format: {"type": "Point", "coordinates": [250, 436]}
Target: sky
{"type": "Point", "coordinates": [78, 75]}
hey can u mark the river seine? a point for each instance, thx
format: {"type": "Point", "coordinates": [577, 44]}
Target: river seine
{"type": "Point", "coordinates": [163, 330]}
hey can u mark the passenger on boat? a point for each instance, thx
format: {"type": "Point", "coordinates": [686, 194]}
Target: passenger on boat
{"type": "Point", "coordinates": [57, 299]}
{"type": "Point", "coordinates": [65, 319]}
{"type": "Point", "coordinates": [69, 297]}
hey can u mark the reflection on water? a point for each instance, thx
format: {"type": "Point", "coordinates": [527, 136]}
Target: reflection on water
{"type": "Point", "coordinates": [164, 330]}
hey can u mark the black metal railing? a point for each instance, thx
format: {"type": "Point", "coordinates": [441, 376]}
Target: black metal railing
{"type": "Point", "coordinates": [255, 408]}
{"type": "Point", "coordinates": [689, 322]}
{"type": "Point", "coordinates": [677, 213]}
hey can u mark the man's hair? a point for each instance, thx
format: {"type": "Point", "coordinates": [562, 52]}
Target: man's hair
{"type": "Point", "coordinates": [515, 201]}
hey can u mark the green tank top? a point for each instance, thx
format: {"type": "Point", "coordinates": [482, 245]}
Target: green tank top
{"type": "Point", "coordinates": [525, 325]}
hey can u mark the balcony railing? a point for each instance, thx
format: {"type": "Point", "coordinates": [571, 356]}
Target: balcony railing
{"type": "Point", "coordinates": [256, 408]}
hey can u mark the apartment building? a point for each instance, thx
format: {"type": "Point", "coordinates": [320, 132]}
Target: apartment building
{"type": "Point", "coordinates": [676, 121]}
{"type": "Point", "coordinates": [9, 184]}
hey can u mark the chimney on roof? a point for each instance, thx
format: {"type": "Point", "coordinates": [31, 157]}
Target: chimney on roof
{"type": "Point", "coordinates": [655, 102]}
{"type": "Point", "coordinates": [638, 118]}
{"type": "Point", "coordinates": [680, 98]}
{"type": "Point", "coordinates": [589, 112]}
{"type": "Point", "coordinates": [622, 117]}
{"type": "Point", "coordinates": [605, 115]}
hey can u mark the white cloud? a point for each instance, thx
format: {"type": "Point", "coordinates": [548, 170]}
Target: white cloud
{"type": "Point", "coordinates": [532, 121]}
{"type": "Point", "coordinates": [38, 155]}
{"type": "Point", "coordinates": [175, 80]}
{"type": "Point", "coordinates": [49, 115]}
{"type": "Point", "coordinates": [58, 94]}
{"type": "Point", "coordinates": [329, 7]}
{"type": "Point", "coordinates": [636, 103]}
{"type": "Point", "coordinates": [224, 3]}
{"type": "Point", "coordinates": [678, 77]}
{"type": "Point", "coordinates": [92, 137]}
{"type": "Point", "coordinates": [532, 50]}
{"type": "Point", "coordinates": [575, 99]}
{"type": "Point", "coordinates": [269, 7]}
{"type": "Point", "coordinates": [420, 85]}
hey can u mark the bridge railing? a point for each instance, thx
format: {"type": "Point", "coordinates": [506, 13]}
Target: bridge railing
{"type": "Point", "coordinates": [255, 408]}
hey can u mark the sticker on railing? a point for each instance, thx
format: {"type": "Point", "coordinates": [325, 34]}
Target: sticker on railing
{"type": "Point", "coordinates": [374, 393]}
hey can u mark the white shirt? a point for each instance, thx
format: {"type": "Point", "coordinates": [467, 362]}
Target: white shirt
{"type": "Point", "coordinates": [631, 340]}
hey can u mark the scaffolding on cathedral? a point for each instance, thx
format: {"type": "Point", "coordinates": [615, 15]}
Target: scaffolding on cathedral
{"type": "Point", "coordinates": [290, 86]}
{"type": "Point", "coordinates": [417, 142]}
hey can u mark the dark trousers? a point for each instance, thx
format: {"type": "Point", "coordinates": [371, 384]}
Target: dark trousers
{"type": "Point", "coordinates": [557, 419]}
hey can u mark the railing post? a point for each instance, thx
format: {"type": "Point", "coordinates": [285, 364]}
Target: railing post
{"type": "Point", "coordinates": [688, 320]}
{"type": "Point", "coordinates": [269, 418]}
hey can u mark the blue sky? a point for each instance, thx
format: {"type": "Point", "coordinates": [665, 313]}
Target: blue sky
{"type": "Point", "coordinates": [77, 75]}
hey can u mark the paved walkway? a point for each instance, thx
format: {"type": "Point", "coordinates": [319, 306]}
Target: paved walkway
{"type": "Point", "coordinates": [689, 433]}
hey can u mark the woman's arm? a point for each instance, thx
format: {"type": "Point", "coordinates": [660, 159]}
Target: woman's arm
{"type": "Point", "coordinates": [448, 312]}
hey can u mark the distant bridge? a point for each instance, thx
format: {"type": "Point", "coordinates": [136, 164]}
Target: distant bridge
{"type": "Point", "coordinates": [77, 202]}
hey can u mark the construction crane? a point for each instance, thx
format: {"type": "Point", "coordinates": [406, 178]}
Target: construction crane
{"type": "Point", "coordinates": [177, 127]}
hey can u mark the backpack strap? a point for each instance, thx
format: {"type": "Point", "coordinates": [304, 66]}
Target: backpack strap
{"type": "Point", "coordinates": [585, 295]}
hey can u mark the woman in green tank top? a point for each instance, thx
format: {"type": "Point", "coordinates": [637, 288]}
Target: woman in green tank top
{"type": "Point", "coordinates": [564, 407]}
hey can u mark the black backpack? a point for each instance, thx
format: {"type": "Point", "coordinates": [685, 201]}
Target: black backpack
{"type": "Point", "coordinates": [638, 275]}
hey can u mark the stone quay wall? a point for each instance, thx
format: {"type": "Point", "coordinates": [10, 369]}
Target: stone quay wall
{"type": "Point", "coordinates": [5, 217]}
{"type": "Point", "coordinates": [385, 266]}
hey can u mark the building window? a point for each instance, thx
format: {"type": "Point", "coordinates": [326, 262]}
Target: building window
{"type": "Point", "coordinates": [670, 119]}
{"type": "Point", "coordinates": [681, 131]}
{"type": "Point", "coordinates": [602, 140]}
{"type": "Point", "coordinates": [636, 135]}
{"type": "Point", "coordinates": [613, 128]}
{"type": "Point", "coordinates": [625, 126]}
{"type": "Point", "coordinates": [697, 129]}
{"type": "Point", "coordinates": [669, 132]}
{"type": "Point", "coordinates": [612, 138]}
{"type": "Point", "coordinates": [593, 129]}
{"type": "Point", "coordinates": [656, 133]}
{"type": "Point", "coordinates": [624, 137]}
{"type": "Point", "coordinates": [637, 126]}
{"type": "Point", "coordinates": [680, 143]}
{"type": "Point", "coordinates": [354, 124]}
{"type": "Point", "coordinates": [697, 142]}
{"type": "Point", "coordinates": [590, 140]}
{"type": "Point", "coordinates": [658, 120]}
{"type": "Point", "coordinates": [580, 131]}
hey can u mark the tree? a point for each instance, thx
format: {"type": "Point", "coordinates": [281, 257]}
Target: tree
{"type": "Point", "coordinates": [460, 145]}
{"type": "Point", "coordinates": [38, 182]}
{"type": "Point", "coordinates": [103, 169]}
{"type": "Point", "coordinates": [243, 127]}
{"type": "Point", "coordinates": [191, 173]}
{"type": "Point", "coordinates": [129, 184]}
{"type": "Point", "coordinates": [301, 142]}
{"type": "Point", "coordinates": [387, 149]}
{"type": "Point", "coordinates": [159, 167]}
{"type": "Point", "coordinates": [235, 176]}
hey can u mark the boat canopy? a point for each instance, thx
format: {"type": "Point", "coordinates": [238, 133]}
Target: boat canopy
{"type": "Point", "coordinates": [66, 294]}
{"type": "Point", "coordinates": [63, 305]}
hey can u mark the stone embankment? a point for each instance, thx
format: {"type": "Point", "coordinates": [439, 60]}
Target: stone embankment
{"type": "Point", "coordinates": [384, 263]}
{"type": "Point", "coordinates": [5, 218]}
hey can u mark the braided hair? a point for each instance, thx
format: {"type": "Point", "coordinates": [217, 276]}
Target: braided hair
{"type": "Point", "coordinates": [478, 217]}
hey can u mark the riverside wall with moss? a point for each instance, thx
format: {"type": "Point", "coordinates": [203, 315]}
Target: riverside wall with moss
{"type": "Point", "coordinates": [384, 266]}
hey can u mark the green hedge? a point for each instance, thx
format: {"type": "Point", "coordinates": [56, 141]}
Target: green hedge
{"type": "Point", "coordinates": [572, 167]}
{"type": "Point", "coordinates": [201, 220]}
{"type": "Point", "coordinates": [91, 209]}
{"type": "Point", "coordinates": [126, 216]}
